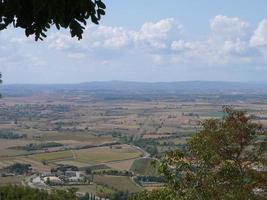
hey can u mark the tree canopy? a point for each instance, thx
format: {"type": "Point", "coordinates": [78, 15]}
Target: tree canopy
{"type": "Point", "coordinates": [23, 193]}
{"type": "Point", "coordinates": [36, 17]}
{"type": "Point", "coordinates": [225, 160]}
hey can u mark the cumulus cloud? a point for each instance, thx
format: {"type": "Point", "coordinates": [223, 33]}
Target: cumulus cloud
{"type": "Point", "coordinates": [107, 37]}
{"type": "Point", "coordinates": [158, 34]}
{"type": "Point", "coordinates": [181, 45]}
{"type": "Point", "coordinates": [226, 44]}
{"type": "Point", "coordinates": [164, 44]}
{"type": "Point", "coordinates": [230, 41]}
{"type": "Point", "coordinates": [228, 27]}
{"type": "Point", "coordinates": [155, 35]}
{"type": "Point", "coordinates": [259, 38]}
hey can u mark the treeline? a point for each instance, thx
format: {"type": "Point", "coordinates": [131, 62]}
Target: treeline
{"type": "Point", "coordinates": [18, 169]}
{"type": "Point", "coordinates": [109, 172]}
{"type": "Point", "coordinates": [35, 147]}
{"type": "Point", "coordinates": [11, 135]}
{"type": "Point", "coordinates": [149, 179]}
{"type": "Point", "coordinates": [26, 193]}
{"type": "Point", "coordinates": [148, 145]}
{"type": "Point", "coordinates": [118, 195]}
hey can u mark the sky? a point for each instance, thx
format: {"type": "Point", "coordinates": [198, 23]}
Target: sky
{"type": "Point", "coordinates": [148, 41]}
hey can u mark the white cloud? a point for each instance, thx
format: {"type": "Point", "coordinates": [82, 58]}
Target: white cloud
{"type": "Point", "coordinates": [76, 55]}
{"type": "Point", "coordinates": [259, 39]}
{"type": "Point", "coordinates": [228, 27]}
{"type": "Point", "coordinates": [157, 34]}
{"type": "Point", "coordinates": [158, 30]}
{"type": "Point", "coordinates": [60, 41]}
{"type": "Point", "coordinates": [181, 45]}
{"type": "Point", "coordinates": [107, 37]}
{"type": "Point", "coordinates": [152, 36]}
{"type": "Point", "coordinates": [234, 46]}
{"type": "Point", "coordinates": [163, 43]}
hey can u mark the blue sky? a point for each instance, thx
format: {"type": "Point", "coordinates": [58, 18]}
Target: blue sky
{"type": "Point", "coordinates": [193, 13]}
{"type": "Point", "coordinates": [148, 40]}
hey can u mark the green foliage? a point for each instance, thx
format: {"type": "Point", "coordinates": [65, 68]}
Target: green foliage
{"type": "Point", "coordinates": [120, 195]}
{"type": "Point", "coordinates": [26, 193]}
{"type": "Point", "coordinates": [145, 166]}
{"type": "Point", "coordinates": [41, 146]}
{"type": "Point", "coordinates": [162, 194]}
{"type": "Point", "coordinates": [11, 135]}
{"type": "Point", "coordinates": [18, 168]}
{"type": "Point", "coordinates": [225, 160]}
{"type": "Point", "coordinates": [149, 145]}
{"type": "Point", "coordinates": [36, 17]}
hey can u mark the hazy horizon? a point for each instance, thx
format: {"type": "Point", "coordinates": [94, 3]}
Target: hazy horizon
{"type": "Point", "coordinates": [141, 82]}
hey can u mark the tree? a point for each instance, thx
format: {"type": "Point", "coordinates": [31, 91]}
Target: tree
{"type": "Point", "coordinates": [225, 160]}
{"type": "Point", "coordinates": [36, 17]}
{"type": "Point", "coordinates": [23, 193]}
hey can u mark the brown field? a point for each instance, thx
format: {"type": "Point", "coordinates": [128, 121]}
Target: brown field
{"type": "Point", "coordinates": [81, 119]}
{"type": "Point", "coordinates": [4, 143]}
{"type": "Point", "coordinates": [121, 165]}
{"type": "Point", "coordinates": [11, 180]}
{"type": "Point", "coordinates": [116, 158]}
{"type": "Point", "coordinates": [153, 187]}
{"type": "Point", "coordinates": [37, 166]}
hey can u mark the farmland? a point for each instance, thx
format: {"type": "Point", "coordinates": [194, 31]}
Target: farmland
{"type": "Point", "coordinates": [90, 156]}
{"type": "Point", "coordinates": [117, 183]}
{"type": "Point", "coordinates": [108, 130]}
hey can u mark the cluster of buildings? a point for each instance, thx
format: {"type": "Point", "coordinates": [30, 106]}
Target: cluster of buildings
{"type": "Point", "coordinates": [60, 176]}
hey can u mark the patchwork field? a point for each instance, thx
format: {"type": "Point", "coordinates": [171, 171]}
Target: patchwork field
{"type": "Point", "coordinates": [109, 130]}
{"type": "Point", "coordinates": [123, 183]}
{"type": "Point", "coordinates": [117, 158]}
{"type": "Point", "coordinates": [37, 166]}
{"type": "Point", "coordinates": [106, 154]}
{"type": "Point", "coordinates": [121, 165]}
{"type": "Point", "coordinates": [54, 156]}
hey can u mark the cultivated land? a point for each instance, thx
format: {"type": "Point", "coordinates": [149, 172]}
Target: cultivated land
{"type": "Point", "coordinates": [118, 183]}
{"type": "Point", "coordinates": [109, 129]}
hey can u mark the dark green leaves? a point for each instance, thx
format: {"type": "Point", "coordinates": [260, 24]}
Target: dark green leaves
{"type": "Point", "coordinates": [36, 17]}
{"type": "Point", "coordinates": [100, 4]}
{"type": "Point", "coordinates": [225, 160]}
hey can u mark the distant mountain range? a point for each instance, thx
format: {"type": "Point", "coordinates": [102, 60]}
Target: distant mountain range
{"type": "Point", "coordinates": [124, 86]}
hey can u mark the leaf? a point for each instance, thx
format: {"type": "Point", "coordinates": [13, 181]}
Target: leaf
{"type": "Point", "coordinates": [94, 19]}
{"type": "Point", "coordinates": [100, 4]}
{"type": "Point", "coordinates": [2, 26]}
{"type": "Point", "coordinates": [57, 26]}
{"type": "Point", "coordinates": [101, 12]}
{"type": "Point", "coordinates": [36, 16]}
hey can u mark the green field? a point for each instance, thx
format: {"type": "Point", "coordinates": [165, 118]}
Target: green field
{"type": "Point", "coordinates": [122, 183]}
{"type": "Point", "coordinates": [53, 156]}
{"type": "Point", "coordinates": [103, 155]}
{"type": "Point", "coordinates": [144, 167]}
{"type": "Point", "coordinates": [88, 157]}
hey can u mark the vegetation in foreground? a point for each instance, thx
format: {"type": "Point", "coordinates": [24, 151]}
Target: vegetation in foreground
{"type": "Point", "coordinates": [26, 193]}
{"type": "Point", "coordinates": [225, 160]}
